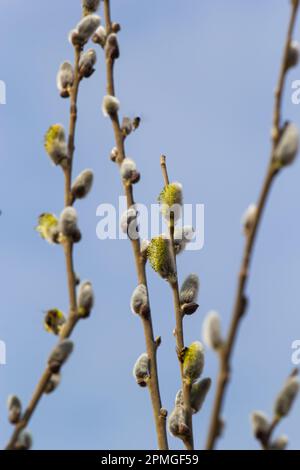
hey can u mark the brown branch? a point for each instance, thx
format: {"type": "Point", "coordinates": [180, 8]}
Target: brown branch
{"type": "Point", "coordinates": [186, 387]}
{"type": "Point", "coordinates": [68, 251]}
{"type": "Point", "coordinates": [151, 346]}
{"type": "Point", "coordinates": [241, 299]}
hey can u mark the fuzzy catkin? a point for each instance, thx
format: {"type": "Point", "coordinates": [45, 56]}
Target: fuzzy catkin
{"type": "Point", "coordinates": [189, 289]}
{"type": "Point", "coordinates": [141, 370]}
{"type": "Point", "coordinates": [82, 184]}
{"type": "Point", "coordinates": [211, 330]}
{"type": "Point", "coordinates": [110, 105]}
{"type": "Point", "coordinates": [260, 424]}
{"type": "Point", "coordinates": [193, 362]}
{"type": "Point", "coordinates": [59, 355]}
{"type": "Point", "coordinates": [85, 299]}
{"type": "Point", "coordinates": [139, 300]}
{"type": "Point", "coordinates": [286, 397]}
{"type": "Point", "coordinates": [287, 147]}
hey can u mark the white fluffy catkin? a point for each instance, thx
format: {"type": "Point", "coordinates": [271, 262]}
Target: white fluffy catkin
{"type": "Point", "coordinates": [287, 147]}
{"type": "Point", "coordinates": [82, 184]}
{"type": "Point", "coordinates": [139, 299]}
{"type": "Point", "coordinates": [260, 423]}
{"type": "Point", "coordinates": [211, 330]}
{"type": "Point", "coordinates": [65, 78]}
{"type": "Point", "coordinates": [286, 397]}
{"type": "Point", "coordinates": [85, 299]}
{"type": "Point", "coordinates": [189, 289]}
{"type": "Point", "coordinates": [141, 370]}
{"type": "Point", "coordinates": [110, 105]}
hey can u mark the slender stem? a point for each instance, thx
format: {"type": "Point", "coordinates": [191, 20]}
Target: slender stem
{"type": "Point", "coordinates": [186, 387]}
{"type": "Point", "coordinates": [68, 251]}
{"type": "Point", "coordinates": [151, 344]}
{"type": "Point", "coordinates": [240, 298]}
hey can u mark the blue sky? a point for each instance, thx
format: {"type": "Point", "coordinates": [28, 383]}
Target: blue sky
{"type": "Point", "coordinates": [201, 74]}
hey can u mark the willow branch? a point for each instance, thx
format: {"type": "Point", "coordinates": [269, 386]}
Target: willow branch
{"type": "Point", "coordinates": [240, 303]}
{"type": "Point", "coordinates": [186, 387]}
{"type": "Point", "coordinates": [151, 344]}
{"type": "Point", "coordinates": [68, 251]}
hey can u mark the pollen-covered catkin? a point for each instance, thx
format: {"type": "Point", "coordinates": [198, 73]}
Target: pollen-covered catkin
{"type": "Point", "coordinates": [139, 300]}
{"type": "Point", "coordinates": [160, 257]}
{"type": "Point", "coordinates": [260, 424]}
{"type": "Point", "coordinates": [86, 63]}
{"type": "Point", "coordinates": [65, 79]}
{"type": "Point", "coordinates": [85, 299]}
{"type": "Point", "coordinates": [193, 362]}
{"type": "Point", "coordinates": [287, 147]}
{"type": "Point", "coordinates": [14, 406]}
{"type": "Point", "coordinates": [55, 144]}
{"type": "Point", "coordinates": [48, 227]}
{"type": "Point", "coordinates": [110, 105]}
{"type": "Point", "coordinates": [141, 371]}
{"type": "Point", "coordinates": [286, 397]}
{"type": "Point", "coordinates": [211, 330]}
{"type": "Point", "coordinates": [82, 184]}
{"type": "Point", "coordinates": [54, 321]}
{"type": "Point", "coordinates": [171, 199]}
{"type": "Point", "coordinates": [59, 355]}
{"type": "Point", "coordinates": [68, 224]}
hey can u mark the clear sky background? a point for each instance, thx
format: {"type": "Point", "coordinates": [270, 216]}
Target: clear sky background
{"type": "Point", "coordinates": [201, 74]}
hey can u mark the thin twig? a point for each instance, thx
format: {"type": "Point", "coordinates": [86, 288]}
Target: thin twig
{"type": "Point", "coordinates": [186, 387]}
{"type": "Point", "coordinates": [68, 251]}
{"type": "Point", "coordinates": [151, 344]}
{"type": "Point", "coordinates": [241, 299]}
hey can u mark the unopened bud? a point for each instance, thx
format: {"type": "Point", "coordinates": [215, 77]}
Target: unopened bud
{"type": "Point", "coordinates": [293, 55]}
{"type": "Point", "coordinates": [126, 127]}
{"type": "Point", "coordinates": [193, 362]}
{"type": "Point", "coordinates": [85, 299]}
{"type": "Point", "coordinates": [114, 154]}
{"type": "Point", "coordinates": [287, 147]}
{"type": "Point", "coordinates": [286, 397]}
{"type": "Point", "coordinates": [249, 218]}
{"type": "Point", "coordinates": [115, 27]}
{"type": "Point", "coordinates": [82, 184]}
{"type": "Point", "coordinates": [141, 371]}
{"type": "Point", "coordinates": [65, 79]}
{"type": "Point", "coordinates": [211, 330]}
{"type": "Point", "coordinates": [59, 355]}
